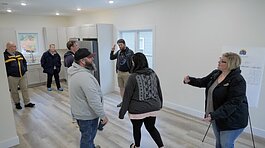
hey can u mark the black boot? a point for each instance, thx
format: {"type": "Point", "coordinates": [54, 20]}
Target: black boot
{"type": "Point", "coordinates": [18, 106]}
{"type": "Point", "coordinates": [30, 105]}
{"type": "Point", "coordinates": [119, 105]}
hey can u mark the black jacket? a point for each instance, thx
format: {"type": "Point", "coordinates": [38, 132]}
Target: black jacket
{"type": "Point", "coordinates": [142, 93]}
{"type": "Point", "coordinates": [229, 99]}
{"type": "Point", "coordinates": [16, 65]}
{"type": "Point", "coordinates": [68, 58]}
{"type": "Point", "coordinates": [51, 63]}
{"type": "Point", "coordinates": [128, 53]}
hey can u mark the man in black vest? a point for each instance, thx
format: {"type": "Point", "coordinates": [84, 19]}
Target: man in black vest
{"type": "Point", "coordinates": [16, 67]}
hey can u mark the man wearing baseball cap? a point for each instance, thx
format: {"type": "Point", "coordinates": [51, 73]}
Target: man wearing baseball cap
{"type": "Point", "coordinates": [86, 98]}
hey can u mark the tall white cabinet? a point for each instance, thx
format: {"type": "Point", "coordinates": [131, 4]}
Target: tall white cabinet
{"type": "Point", "coordinates": [105, 42]}
{"type": "Point", "coordinates": [55, 35]}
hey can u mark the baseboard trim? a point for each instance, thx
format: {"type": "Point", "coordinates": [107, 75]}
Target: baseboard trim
{"type": "Point", "coordinates": [117, 89]}
{"type": "Point", "coordinates": [196, 113]}
{"type": "Point", "coordinates": [256, 131]}
{"type": "Point", "coordinates": [10, 142]}
{"type": "Point", "coordinates": [183, 109]}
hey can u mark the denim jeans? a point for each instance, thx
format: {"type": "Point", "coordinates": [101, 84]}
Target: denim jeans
{"type": "Point", "coordinates": [88, 129]}
{"type": "Point", "coordinates": [225, 139]}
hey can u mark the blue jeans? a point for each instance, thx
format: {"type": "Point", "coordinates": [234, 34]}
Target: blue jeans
{"type": "Point", "coordinates": [225, 139]}
{"type": "Point", "coordinates": [88, 129]}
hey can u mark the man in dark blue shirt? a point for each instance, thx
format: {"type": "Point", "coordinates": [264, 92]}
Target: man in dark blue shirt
{"type": "Point", "coordinates": [123, 64]}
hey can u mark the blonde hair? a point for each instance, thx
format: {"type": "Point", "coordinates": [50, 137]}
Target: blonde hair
{"type": "Point", "coordinates": [233, 60]}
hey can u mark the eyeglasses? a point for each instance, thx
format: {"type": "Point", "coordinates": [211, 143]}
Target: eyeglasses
{"type": "Point", "coordinates": [222, 61]}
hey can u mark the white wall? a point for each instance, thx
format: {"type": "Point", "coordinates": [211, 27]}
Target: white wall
{"type": "Point", "coordinates": [189, 35]}
{"type": "Point", "coordinates": [8, 136]}
{"type": "Point", "coordinates": [27, 21]}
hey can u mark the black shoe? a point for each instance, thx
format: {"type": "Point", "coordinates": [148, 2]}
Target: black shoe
{"type": "Point", "coordinates": [18, 106]}
{"type": "Point", "coordinates": [30, 105]}
{"type": "Point", "coordinates": [119, 105]}
{"type": "Point", "coordinates": [100, 125]}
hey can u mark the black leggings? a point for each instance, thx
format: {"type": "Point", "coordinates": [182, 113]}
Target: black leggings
{"type": "Point", "coordinates": [149, 123]}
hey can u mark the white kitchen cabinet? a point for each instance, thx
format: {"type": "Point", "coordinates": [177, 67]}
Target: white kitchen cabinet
{"type": "Point", "coordinates": [35, 75]}
{"type": "Point", "coordinates": [62, 39]}
{"type": "Point", "coordinates": [43, 76]}
{"type": "Point", "coordinates": [54, 35]}
{"type": "Point", "coordinates": [72, 32]}
{"type": "Point", "coordinates": [106, 67]}
{"type": "Point", "coordinates": [50, 37]}
{"type": "Point", "coordinates": [62, 73]}
{"type": "Point", "coordinates": [81, 32]}
{"type": "Point", "coordinates": [88, 31]}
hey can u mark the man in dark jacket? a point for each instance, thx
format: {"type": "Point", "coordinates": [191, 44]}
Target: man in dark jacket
{"type": "Point", "coordinates": [69, 55]}
{"type": "Point", "coordinates": [51, 63]}
{"type": "Point", "coordinates": [123, 64]}
{"type": "Point", "coordinates": [16, 67]}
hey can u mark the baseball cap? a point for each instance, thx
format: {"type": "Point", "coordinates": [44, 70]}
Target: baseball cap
{"type": "Point", "coordinates": [82, 53]}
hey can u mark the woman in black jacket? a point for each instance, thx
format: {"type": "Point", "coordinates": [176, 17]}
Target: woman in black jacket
{"type": "Point", "coordinates": [226, 103]}
{"type": "Point", "coordinates": [51, 63]}
{"type": "Point", "coordinates": [142, 99]}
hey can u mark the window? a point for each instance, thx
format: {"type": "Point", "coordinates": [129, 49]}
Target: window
{"type": "Point", "coordinates": [140, 41]}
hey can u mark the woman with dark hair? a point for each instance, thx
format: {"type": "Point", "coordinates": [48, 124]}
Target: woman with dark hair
{"type": "Point", "coordinates": [142, 99]}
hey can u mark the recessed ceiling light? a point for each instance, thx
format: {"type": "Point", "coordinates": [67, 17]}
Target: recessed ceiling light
{"type": "Point", "coordinates": [9, 10]}
{"type": "Point", "coordinates": [23, 4]}
{"type": "Point", "coordinates": [57, 13]}
{"type": "Point", "coordinates": [111, 2]}
{"type": "Point", "coordinates": [78, 9]}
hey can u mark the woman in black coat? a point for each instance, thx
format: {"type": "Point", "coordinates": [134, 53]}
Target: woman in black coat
{"type": "Point", "coordinates": [51, 63]}
{"type": "Point", "coordinates": [226, 103]}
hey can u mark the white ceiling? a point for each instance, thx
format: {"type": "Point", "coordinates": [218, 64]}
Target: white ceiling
{"type": "Point", "coordinates": [64, 7]}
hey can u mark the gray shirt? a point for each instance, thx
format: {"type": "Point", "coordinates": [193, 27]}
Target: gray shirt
{"type": "Point", "coordinates": [209, 107]}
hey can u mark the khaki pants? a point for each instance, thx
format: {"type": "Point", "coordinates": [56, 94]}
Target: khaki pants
{"type": "Point", "coordinates": [14, 82]}
{"type": "Point", "coordinates": [122, 78]}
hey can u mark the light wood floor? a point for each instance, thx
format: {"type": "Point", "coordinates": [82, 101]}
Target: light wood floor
{"type": "Point", "coordinates": [49, 125]}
